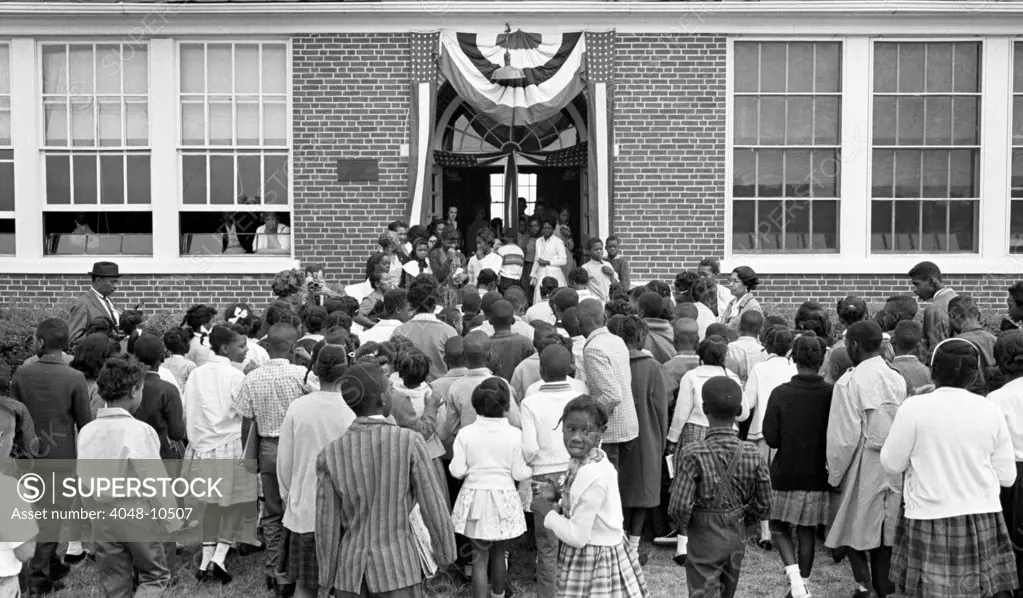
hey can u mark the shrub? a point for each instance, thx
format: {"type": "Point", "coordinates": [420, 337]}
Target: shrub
{"type": "Point", "coordinates": [18, 329]}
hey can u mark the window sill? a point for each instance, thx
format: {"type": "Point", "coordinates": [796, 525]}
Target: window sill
{"type": "Point", "coordinates": [80, 265]}
{"type": "Point", "coordinates": [898, 264]}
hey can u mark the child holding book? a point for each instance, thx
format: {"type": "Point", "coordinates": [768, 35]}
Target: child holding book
{"type": "Point", "coordinates": [712, 503]}
{"type": "Point", "coordinates": [595, 560]}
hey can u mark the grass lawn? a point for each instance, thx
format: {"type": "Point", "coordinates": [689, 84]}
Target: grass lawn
{"type": "Point", "coordinates": [761, 577]}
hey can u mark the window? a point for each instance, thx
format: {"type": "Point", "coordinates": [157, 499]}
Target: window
{"type": "Point", "coordinates": [925, 173]}
{"type": "Point", "coordinates": [234, 145]}
{"type": "Point", "coordinates": [526, 188]}
{"type": "Point", "coordinates": [786, 147]}
{"type": "Point", "coordinates": [7, 246]}
{"type": "Point", "coordinates": [96, 148]}
{"type": "Point", "coordinates": [1016, 187]}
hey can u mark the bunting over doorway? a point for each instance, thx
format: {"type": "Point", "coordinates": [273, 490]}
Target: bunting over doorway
{"type": "Point", "coordinates": [556, 67]}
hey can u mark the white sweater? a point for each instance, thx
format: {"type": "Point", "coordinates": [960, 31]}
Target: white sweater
{"type": "Point", "coordinates": [543, 445]}
{"type": "Point", "coordinates": [596, 509]}
{"type": "Point", "coordinates": [1009, 399]}
{"type": "Point", "coordinates": [763, 379]}
{"type": "Point", "coordinates": [955, 450]}
{"type": "Point", "coordinates": [689, 406]}
{"type": "Point", "coordinates": [488, 454]}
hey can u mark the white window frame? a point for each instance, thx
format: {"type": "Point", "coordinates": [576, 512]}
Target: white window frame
{"type": "Point", "coordinates": [854, 255]}
{"type": "Point", "coordinates": [783, 198]}
{"type": "Point", "coordinates": [164, 136]}
{"type": "Point", "coordinates": [233, 149]}
{"type": "Point", "coordinates": [9, 214]}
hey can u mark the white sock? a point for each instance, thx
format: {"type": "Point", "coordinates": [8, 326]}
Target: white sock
{"type": "Point", "coordinates": [207, 556]}
{"type": "Point", "coordinates": [74, 549]}
{"type": "Point", "coordinates": [765, 530]}
{"type": "Point", "coordinates": [634, 542]}
{"type": "Point", "coordinates": [806, 584]}
{"type": "Point", "coordinates": [680, 545]}
{"type": "Point", "coordinates": [221, 553]}
{"type": "Point", "coordinates": [860, 587]}
{"type": "Point", "coordinates": [795, 581]}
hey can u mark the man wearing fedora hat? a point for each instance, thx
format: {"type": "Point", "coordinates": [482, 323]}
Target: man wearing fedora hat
{"type": "Point", "coordinates": [95, 303]}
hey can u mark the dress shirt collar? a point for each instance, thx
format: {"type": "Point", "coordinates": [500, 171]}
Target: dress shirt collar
{"type": "Point", "coordinates": [426, 317]}
{"type": "Point", "coordinates": [478, 372]}
{"type": "Point", "coordinates": [721, 431]}
{"type": "Point", "coordinates": [278, 361]}
{"type": "Point", "coordinates": [942, 291]}
{"type": "Point", "coordinates": [599, 331]}
{"type": "Point", "coordinates": [214, 358]}
{"type": "Point", "coordinates": [102, 299]}
{"type": "Point", "coordinates": [48, 358]}
{"type": "Point", "coordinates": [456, 373]}
{"type": "Point", "coordinates": [112, 412]}
{"type": "Point", "coordinates": [555, 386]}
{"type": "Point", "coordinates": [901, 358]}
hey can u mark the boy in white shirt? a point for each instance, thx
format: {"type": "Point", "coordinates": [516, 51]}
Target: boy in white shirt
{"type": "Point", "coordinates": [602, 274]}
{"type": "Point", "coordinates": [544, 450]}
{"type": "Point", "coordinates": [17, 536]}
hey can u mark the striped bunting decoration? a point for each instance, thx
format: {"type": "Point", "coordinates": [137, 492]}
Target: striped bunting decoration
{"type": "Point", "coordinates": [423, 92]}
{"type": "Point", "coordinates": [551, 63]}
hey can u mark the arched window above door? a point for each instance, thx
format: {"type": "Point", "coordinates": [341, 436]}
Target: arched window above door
{"type": "Point", "coordinates": [463, 130]}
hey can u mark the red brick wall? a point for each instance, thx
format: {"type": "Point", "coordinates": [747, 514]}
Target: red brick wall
{"type": "Point", "coordinates": [669, 175]}
{"type": "Point", "coordinates": [351, 100]}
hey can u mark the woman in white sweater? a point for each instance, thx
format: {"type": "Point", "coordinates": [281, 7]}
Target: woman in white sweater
{"type": "Point", "coordinates": [955, 451]}
{"type": "Point", "coordinates": [1009, 398]}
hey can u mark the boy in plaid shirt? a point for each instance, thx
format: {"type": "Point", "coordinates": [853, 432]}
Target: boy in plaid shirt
{"type": "Point", "coordinates": [722, 484]}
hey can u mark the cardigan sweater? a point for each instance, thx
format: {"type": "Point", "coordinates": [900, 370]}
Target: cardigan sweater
{"type": "Point", "coordinates": [955, 450]}
{"type": "Point", "coordinates": [796, 423]}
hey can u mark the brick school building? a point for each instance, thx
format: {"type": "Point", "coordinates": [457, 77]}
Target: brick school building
{"type": "Point", "coordinates": [830, 145]}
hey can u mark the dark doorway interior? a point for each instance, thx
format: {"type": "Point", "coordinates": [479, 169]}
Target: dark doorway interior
{"type": "Point", "coordinates": [470, 189]}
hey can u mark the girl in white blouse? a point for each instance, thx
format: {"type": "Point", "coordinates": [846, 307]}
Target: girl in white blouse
{"type": "Point", "coordinates": [551, 258]}
{"type": "Point", "coordinates": [595, 559]}
{"type": "Point", "coordinates": [955, 451]}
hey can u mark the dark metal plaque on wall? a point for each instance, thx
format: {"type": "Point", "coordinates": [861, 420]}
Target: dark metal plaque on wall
{"type": "Point", "coordinates": [360, 169]}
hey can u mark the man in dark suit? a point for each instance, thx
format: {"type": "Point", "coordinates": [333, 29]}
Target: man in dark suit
{"type": "Point", "coordinates": [95, 303]}
{"type": "Point", "coordinates": [57, 399]}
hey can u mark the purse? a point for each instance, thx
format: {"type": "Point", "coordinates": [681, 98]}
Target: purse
{"type": "Point", "coordinates": [423, 542]}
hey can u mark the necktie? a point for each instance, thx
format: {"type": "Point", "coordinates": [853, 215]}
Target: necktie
{"type": "Point", "coordinates": [110, 309]}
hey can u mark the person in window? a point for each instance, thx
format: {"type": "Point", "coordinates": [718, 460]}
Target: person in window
{"type": "Point", "coordinates": [81, 225]}
{"type": "Point", "coordinates": [273, 236]}
{"type": "Point", "coordinates": [236, 237]}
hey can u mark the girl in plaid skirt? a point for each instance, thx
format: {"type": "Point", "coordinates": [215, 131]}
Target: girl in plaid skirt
{"type": "Point", "coordinates": [955, 450]}
{"type": "Point", "coordinates": [594, 560]}
{"type": "Point", "coordinates": [796, 425]}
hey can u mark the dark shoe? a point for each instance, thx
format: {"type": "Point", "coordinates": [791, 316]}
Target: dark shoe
{"type": "Point", "coordinates": [864, 594]}
{"type": "Point", "coordinates": [271, 583]}
{"type": "Point", "coordinates": [74, 559]}
{"type": "Point", "coordinates": [59, 571]}
{"type": "Point", "coordinates": [202, 575]}
{"type": "Point", "coordinates": [765, 545]}
{"type": "Point", "coordinates": [680, 559]}
{"type": "Point", "coordinates": [247, 549]}
{"type": "Point", "coordinates": [838, 554]}
{"type": "Point", "coordinates": [220, 574]}
{"type": "Point", "coordinates": [643, 558]}
{"type": "Point", "coordinates": [284, 590]}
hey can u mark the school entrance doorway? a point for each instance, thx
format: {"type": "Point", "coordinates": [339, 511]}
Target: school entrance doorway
{"type": "Point", "coordinates": [474, 156]}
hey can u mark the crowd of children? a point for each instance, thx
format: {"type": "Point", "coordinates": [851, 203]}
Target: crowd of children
{"type": "Point", "coordinates": [436, 417]}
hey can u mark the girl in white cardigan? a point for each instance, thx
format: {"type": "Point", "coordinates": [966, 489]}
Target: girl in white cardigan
{"type": "Point", "coordinates": [955, 451]}
{"type": "Point", "coordinates": [595, 560]}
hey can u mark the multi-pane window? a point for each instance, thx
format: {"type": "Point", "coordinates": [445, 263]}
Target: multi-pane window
{"type": "Point", "coordinates": [786, 156]}
{"type": "Point", "coordinates": [6, 156]}
{"type": "Point", "coordinates": [234, 146]}
{"type": "Point", "coordinates": [96, 148]}
{"type": "Point", "coordinates": [1016, 187]}
{"type": "Point", "coordinates": [925, 173]}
